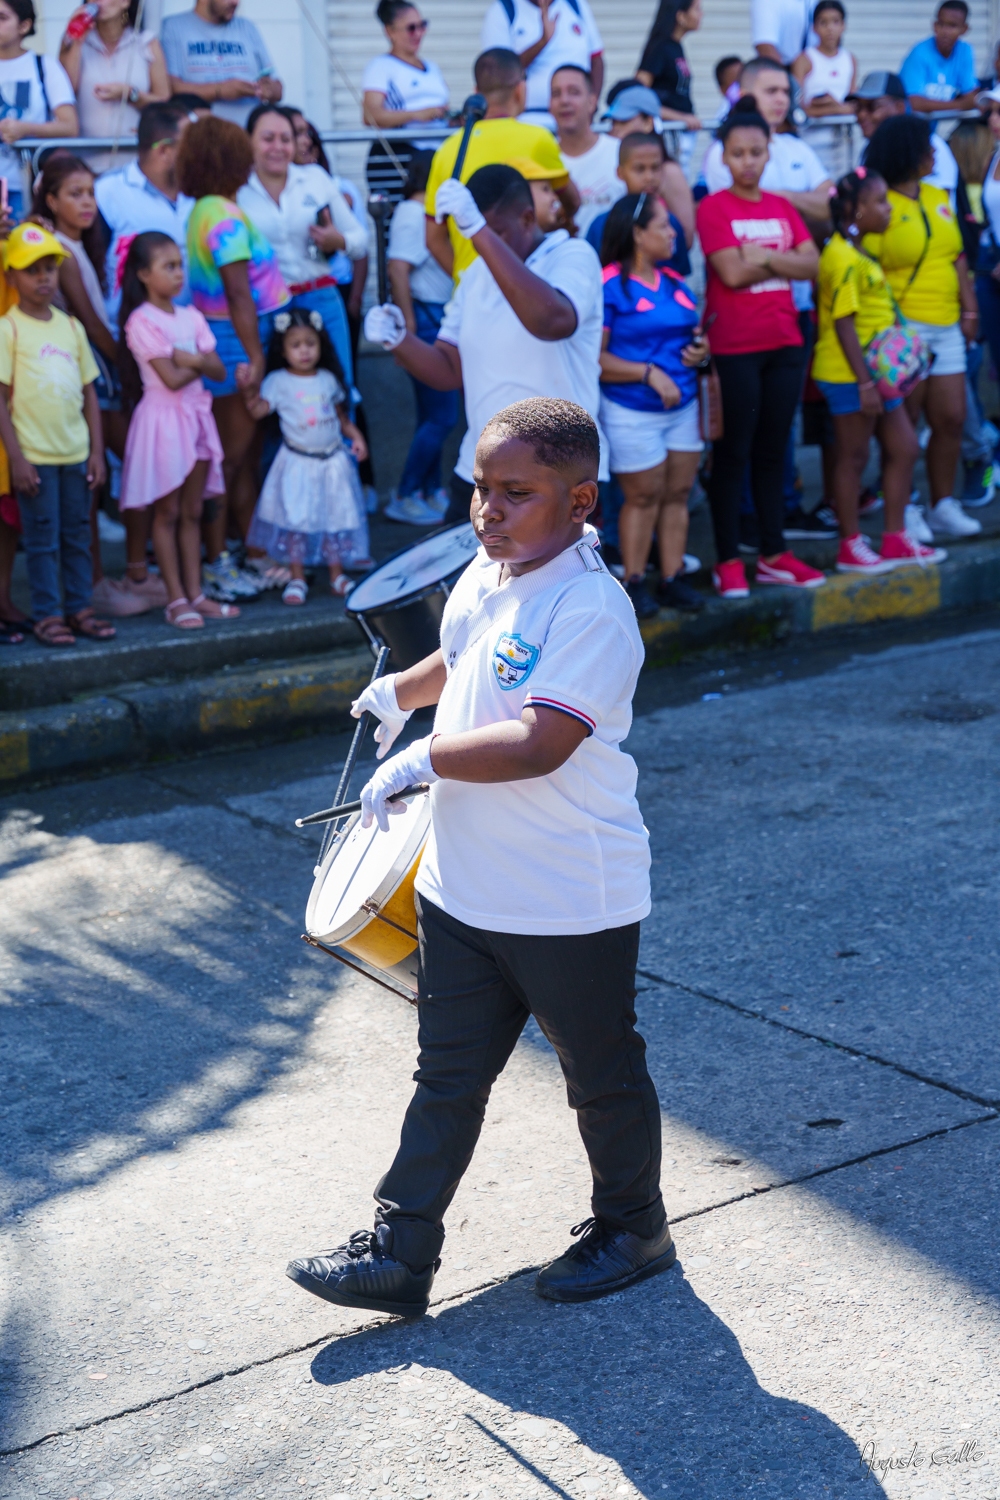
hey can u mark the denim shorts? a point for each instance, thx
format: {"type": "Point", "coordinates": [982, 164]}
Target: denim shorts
{"type": "Point", "coordinates": [232, 353]}
{"type": "Point", "coordinates": [844, 398]}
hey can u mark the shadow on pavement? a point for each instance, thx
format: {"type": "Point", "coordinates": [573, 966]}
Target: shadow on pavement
{"type": "Point", "coordinates": [650, 1379]}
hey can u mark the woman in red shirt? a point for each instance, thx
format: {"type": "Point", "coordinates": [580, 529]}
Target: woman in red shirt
{"type": "Point", "coordinates": [755, 244]}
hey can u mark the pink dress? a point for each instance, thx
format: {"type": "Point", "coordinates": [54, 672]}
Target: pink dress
{"type": "Point", "coordinates": [170, 430]}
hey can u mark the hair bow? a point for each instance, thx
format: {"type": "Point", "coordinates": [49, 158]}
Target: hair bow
{"type": "Point", "coordinates": [316, 319]}
{"type": "Point", "coordinates": [282, 322]}
{"type": "Point", "coordinates": [121, 256]}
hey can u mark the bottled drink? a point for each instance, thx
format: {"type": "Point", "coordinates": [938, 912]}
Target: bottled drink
{"type": "Point", "coordinates": [81, 23]}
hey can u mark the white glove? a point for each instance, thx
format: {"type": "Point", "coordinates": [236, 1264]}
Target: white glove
{"type": "Point", "coordinates": [379, 698]}
{"type": "Point", "coordinates": [454, 199]}
{"type": "Point", "coordinates": [385, 325]}
{"type": "Point", "coordinates": [409, 768]}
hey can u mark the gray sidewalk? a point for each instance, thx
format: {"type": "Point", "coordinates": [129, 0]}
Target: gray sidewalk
{"type": "Point", "coordinates": [191, 1097]}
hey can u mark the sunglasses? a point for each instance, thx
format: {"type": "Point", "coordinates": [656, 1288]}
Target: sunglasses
{"type": "Point", "coordinates": [416, 28]}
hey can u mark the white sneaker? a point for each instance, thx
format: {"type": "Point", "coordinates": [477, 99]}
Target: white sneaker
{"type": "Point", "coordinates": [691, 564]}
{"type": "Point", "coordinates": [108, 530]}
{"type": "Point", "coordinates": [947, 518]}
{"type": "Point", "coordinates": [410, 510]}
{"type": "Point", "coordinates": [914, 524]}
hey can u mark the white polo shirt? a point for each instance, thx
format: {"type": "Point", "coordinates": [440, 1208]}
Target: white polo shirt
{"type": "Point", "coordinates": [792, 167]}
{"type": "Point", "coordinates": [286, 223]}
{"type": "Point", "coordinates": [130, 204]}
{"type": "Point", "coordinates": [558, 854]}
{"type": "Point", "coordinates": [576, 39]}
{"type": "Point", "coordinates": [502, 362]}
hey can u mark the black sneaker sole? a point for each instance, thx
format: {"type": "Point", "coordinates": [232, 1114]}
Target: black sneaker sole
{"type": "Point", "coordinates": [349, 1299]}
{"type": "Point", "coordinates": [580, 1294]}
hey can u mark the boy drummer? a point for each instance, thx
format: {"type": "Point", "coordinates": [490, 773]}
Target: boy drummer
{"type": "Point", "coordinates": [535, 874]}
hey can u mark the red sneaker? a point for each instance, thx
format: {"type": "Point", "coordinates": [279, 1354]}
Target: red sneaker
{"type": "Point", "coordinates": [730, 580]}
{"type": "Point", "coordinates": [787, 570]}
{"type": "Point", "coordinates": [900, 550]}
{"type": "Point", "coordinates": [855, 556]}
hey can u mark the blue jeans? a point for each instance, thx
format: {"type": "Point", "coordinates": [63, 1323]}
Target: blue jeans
{"type": "Point", "coordinates": [327, 301]}
{"type": "Point", "coordinates": [437, 413]}
{"type": "Point", "coordinates": [56, 528]}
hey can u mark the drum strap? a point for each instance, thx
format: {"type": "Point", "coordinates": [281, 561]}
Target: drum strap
{"type": "Point", "coordinates": [519, 590]}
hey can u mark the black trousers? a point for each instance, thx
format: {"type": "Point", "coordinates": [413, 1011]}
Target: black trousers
{"type": "Point", "coordinates": [477, 990]}
{"type": "Point", "coordinates": [760, 392]}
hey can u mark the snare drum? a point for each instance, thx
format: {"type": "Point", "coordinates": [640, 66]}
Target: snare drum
{"type": "Point", "coordinates": [400, 605]}
{"type": "Point", "coordinates": [361, 906]}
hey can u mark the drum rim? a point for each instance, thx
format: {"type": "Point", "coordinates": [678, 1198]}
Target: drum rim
{"type": "Point", "coordinates": [383, 892]}
{"type": "Point", "coordinates": [418, 594]}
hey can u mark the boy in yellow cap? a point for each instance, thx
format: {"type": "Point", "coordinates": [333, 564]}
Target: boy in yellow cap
{"type": "Point", "coordinates": [50, 425]}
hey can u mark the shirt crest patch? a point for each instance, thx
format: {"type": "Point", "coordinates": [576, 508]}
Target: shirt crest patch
{"type": "Point", "coordinates": [514, 661]}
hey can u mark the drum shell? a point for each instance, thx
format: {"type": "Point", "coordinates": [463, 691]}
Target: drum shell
{"type": "Point", "coordinates": [412, 628]}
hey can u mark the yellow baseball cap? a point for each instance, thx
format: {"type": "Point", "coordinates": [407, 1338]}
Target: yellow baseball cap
{"type": "Point", "coordinates": [533, 171]}
{"type": "Point", "coordinates": [28, 243]}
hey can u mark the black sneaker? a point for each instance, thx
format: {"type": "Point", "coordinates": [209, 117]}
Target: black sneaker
{"type": "Point", "coordinates": [803, 526]}
{"type": "Point", "coordinates": [674, 593]}
{"type": "Point", "coordinates": [362, 1273]}
{"type": "Point", "coordinates": [642, 600]}
{"type": "Point", "coordinates": [604, 1260]}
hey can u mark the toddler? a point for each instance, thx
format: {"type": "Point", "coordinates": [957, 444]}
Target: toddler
{"type": "Point", "coordinates": [311, 508]}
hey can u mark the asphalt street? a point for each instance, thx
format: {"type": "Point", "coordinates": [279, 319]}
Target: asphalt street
{"type": "Point", "coordinates": [190, 1096]}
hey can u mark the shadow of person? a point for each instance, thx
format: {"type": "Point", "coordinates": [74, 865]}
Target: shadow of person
{"type": "Point", "coordinates": [648, 1386]}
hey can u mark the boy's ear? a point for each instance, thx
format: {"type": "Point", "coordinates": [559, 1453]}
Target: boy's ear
{"type": "Point", "coordinates": [583, 498]}
{"type": "Point", "coordinates": [620, 172]}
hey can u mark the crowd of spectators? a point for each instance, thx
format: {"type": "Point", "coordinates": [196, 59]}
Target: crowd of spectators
{"type": "Point", "coordinates": [192, 315]}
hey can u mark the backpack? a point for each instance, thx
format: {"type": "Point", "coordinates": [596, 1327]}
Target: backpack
{"type": "Point", "coordinates": [508, 6]}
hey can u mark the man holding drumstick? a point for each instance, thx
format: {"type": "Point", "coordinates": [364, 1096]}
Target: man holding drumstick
{"type": "Point", "coordinates": [535, 874]}
{"type": "Point", "coordinates": [526, 318]}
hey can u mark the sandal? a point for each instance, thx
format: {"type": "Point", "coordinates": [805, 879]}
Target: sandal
{"type": "Point", "coordinates": [9, 634]}
{"type": "Point", "coordinates": [295, 592]}
{"type": "Point", "coordinates": [53, 631]}
{"type": "Point", "coordinates": [210, 609]}
{"type": "Point", "coordinates": [91, 625]}
{"type": "Point", "coordinates": [180, 613]}
{"type": "Point", "coordinates": [341, 585]}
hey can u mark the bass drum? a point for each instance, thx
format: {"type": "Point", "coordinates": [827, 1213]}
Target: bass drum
{"type": "Point", "coordinates": [400, 605]}
{"type": "Point", "coordinates": [361, 907]}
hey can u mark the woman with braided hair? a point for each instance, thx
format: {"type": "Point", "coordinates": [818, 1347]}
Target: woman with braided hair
{"type": "Point", "coordinates": [855, 305]}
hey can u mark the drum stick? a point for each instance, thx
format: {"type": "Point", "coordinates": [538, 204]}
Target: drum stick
{"type": "Point", "coordinates": [329, 813]}
{"type": "Point", "coordinates": [380, 208]}
{"type": "Point", "coordinates": [352, 754]}
{"type": "Point", "coordinates": [473, 109]}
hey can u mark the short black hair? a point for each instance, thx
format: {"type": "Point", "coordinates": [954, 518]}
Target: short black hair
{"type": "Point", "coordinates": [744, 115]}
{"type": "Point", "coordinates": [498, 70]}
{"type": "Point", "coordinates": [159, 122]}
{"type": "Point", "coordinates": [498, 186]}
{"type": "Point", "coordinates": [417, 173]}
{"type": "Point", "coordinates": [24, 10]}
{"type": "Point", "coordinates": [958, 5]}
{"type": "Point", "coordinates": [898, 147]}
{"type": "Point", "coordinates": [585, 73]}
{"type": "Point", "coordinates": [829, 5]}
{"type": "Point", "coordinates": [729, 61]}
{"type": "Point", "coordinates": [189, 103]}
{"type": "Point", "coordinates": [637, 138]}
{"type": "Point", "coordinates": [562, 434]}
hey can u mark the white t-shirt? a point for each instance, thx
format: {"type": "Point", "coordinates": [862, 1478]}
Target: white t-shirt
{"type": "Point", "coordinates": [21, 98]}
{"type": "Point", "coordinates": [407, 87]}
{"type": "Point", "coordinates": [576, 39]}
{"type": "Point", "coordinates": [502, 362]}
{"type": "Point", "coordinates": [785, 24]}
{"type": "Point", "coordinates": [792, 167]}
{"type": "Point", "coordinates": [306, 407]}
{"type": "Point", "coordinates": [559, 854]}
{"type": "Point", "coordinates": [595, 174]}
{"type": "Point", "coordinates": [408, 241]}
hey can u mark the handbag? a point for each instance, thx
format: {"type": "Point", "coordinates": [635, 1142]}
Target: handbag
{"type": "Point", "coordinates": [897, 360]}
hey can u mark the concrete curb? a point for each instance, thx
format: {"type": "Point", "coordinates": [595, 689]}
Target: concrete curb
{"type": "Point", "coordinates": [142, 721]}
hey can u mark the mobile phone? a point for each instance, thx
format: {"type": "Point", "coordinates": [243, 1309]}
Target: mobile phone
{"type": "Point", "coordinates": [3, 195]}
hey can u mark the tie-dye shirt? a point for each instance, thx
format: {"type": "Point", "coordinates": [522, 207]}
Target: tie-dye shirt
{"type": "Point", "coordinates": [220, 234]}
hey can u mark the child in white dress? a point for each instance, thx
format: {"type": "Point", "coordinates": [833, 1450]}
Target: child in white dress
{"type": "Point", "coordinates": [311, 509]}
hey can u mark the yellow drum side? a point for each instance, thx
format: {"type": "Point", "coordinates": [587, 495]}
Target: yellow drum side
{"type": "Point", "coordinates": [377, 942]}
